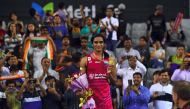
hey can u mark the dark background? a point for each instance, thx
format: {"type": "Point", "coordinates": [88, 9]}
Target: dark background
{"type": "Point", "coordinates": [136, 10]}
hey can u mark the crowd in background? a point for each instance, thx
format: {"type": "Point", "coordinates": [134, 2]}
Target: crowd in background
{"type": "Point", "coordinates": [44, 87]}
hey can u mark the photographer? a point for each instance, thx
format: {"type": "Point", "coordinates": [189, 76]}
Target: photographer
{"type": "Point", "coordinates": [126, 73]}
{"type": "Point", "coordinates": [30, 97]}
{"type": "Point", "coordinates": [52, 100]}
{"type": "Point", "coordinates": [183, 73]}
{"type": "Point", "coordinates": [11, 95]}
{"type": "Point", "coordinates": [136, 96]}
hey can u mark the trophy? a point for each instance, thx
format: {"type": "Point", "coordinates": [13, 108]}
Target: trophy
{"type": "Point", "coordinates": [111, 62]}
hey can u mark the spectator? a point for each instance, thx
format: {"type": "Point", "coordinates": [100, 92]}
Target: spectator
{"type": "Point", "coordinates": [161, 92]}
{"type": "Point", "coordinates": [31, 98]}
{"type": "Point", "coordinates": [18, 52]}
{"type": "Point", "coordinates": [30, 31]}
{"type": "Point", "coordinates": [12, 38]}
{"type": "Point", "coordinates": [156, 77]}
{"type": "Point", "coordinates": [156, 23]}
{"type": "Point", "coordinates": [176, 60]}
{"type": "Point", "coordinates": [157, 56]}
{"type": "Point", "coordinates": [37, 53]}
{"type": "Point", "coordinates": [2, 34]}
{"type": "Point", "coordinates": [71, 99]}
{"type": "Point", "coordinates": [61, 11]}
{"type": "Point", "coordinates": [134, 66]}
{"type": "Point", "coordinates": [15, 71]}
{"type": "Point", "coordinates": [66, 50]}
{"type": "Point", "coordinates": [111, 25]}
{"type": "Point", "coordinates": [52, 100]}
{"type": "Point", "coordinates": [120, 43]}
{"type": "Point", "coordinates": [126, 52]}
{"type": "Point", "coordinates": [13, 60]}
{"type": "Point", "coordinates": [11, 95]}
{"type": "Point", "coordinates": [183, 73]}
{"type": "Point", "coordinates": [35, 18]}
{"type": "Point", "coordinates": [74, 27]}
{"type": "Point", "coordinates": [45, 71]}
{"type": "Point", "coordinates": [4, 71]}
{"type": "Point", "coordinates": [174, 37]}
{"type": "Point", "coordinates": [89, 30]}
{"type": "Point", "coordinates": [14, 19]}
{"type": "Point", "coordinates": [3, 100]}
{"type": "Point", "coordinates": [143, 49]}
{"type": "Point", "coordinates": [84, 49]}
{"type": "Point", "coordinates": [58, 31]}
{"type": "Point", "coordinates": [119, 14]}
{"type": "Point", "coordinates": [181, 94]}
{"type": "Point", "coordinates": [136, 96]}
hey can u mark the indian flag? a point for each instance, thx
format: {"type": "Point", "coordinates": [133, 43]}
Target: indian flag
{"type": "Point", "coordinates": [42, 39]}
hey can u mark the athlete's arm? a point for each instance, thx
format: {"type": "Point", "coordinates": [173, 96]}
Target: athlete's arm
{"type": "Point", "coordinates": [83, 64]}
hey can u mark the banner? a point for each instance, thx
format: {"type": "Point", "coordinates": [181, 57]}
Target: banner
{"type": "Point", "coordinates": [42, 39]}
{"type": "Point", "coordinates": [135, 10]}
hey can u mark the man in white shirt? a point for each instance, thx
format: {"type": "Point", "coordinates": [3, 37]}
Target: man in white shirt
{"type": "Point", "coordinates": [127, 51]}
{"type": "Point", "coordinates": [46, 71]}
{"type": "Point", "coordinates": [161, 92]}
{"type": "Point", "coordinates": [111, 25]}
{"type": "Point", "coordinates": [127, 72]}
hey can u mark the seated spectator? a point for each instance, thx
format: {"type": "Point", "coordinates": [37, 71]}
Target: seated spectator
{"type": "Point", "coordinates": [121, 41]}
{"type": "Point", "coordinates": [13, 60]}
{"type": "Point", "coordinates": [176, 60]}
{"type": "Point", "coordinates": [11, 95]}
{"type": "Point", "coordinates": [14, 19]}
{"type": "Point", "coordinates": [143, 49]}
{"type": "Point", "coordinates": [66, 50]}
{"type": "Point", "coordinates": [157, 56]}
{"type": "Point", "coordinates": [52, 100]}
{"type": "Point", "coordinates": [127, 52]}
{"type": "Point", "coordinates": [45, 71]}
{"type": "Point", "coordinates": [174, 37]}
{"type": "Point", "coordinates": [84, 49]}
{"type": "Point", "coordinates": [126, 73]}
{"type": "Point", "coordinates": [30, 97]}
{"type": "Point", "coordinates": [18, 52]}
{"type": "Point", "coordinates": [12, 38]}
{"type": "Point", "coordinates": [136, 96]}
{"type": "Point", "coordinates": [161, 92]}
{"type": "Point", "coordinates": [31, 31]}
{"type": "Point", "coordinates": [183, 73]}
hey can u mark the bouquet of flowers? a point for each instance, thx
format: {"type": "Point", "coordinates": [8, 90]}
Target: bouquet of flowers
{"type": "Point", "coordinates": [78, 81]}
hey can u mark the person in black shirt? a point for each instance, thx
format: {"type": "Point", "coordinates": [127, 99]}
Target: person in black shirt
{"type": "Point", "coordinates": [157, 25]}
{"type": "Point", "coordinates": [52, 100]}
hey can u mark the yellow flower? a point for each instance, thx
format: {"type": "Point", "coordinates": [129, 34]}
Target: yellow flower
{"type": "Point", "coordinates": [84, 98]}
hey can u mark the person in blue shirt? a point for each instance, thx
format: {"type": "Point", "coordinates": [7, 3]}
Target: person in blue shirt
{"type": "Point", "coordinates": [58, 31]}
{"type": "Point", "coordinates": [136, 96]}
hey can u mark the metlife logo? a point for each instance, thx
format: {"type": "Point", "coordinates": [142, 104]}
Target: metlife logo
{"type": "Point", "coordinates": [72, 11]}
{"type": "Point", "coordinates": [75, 12]}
